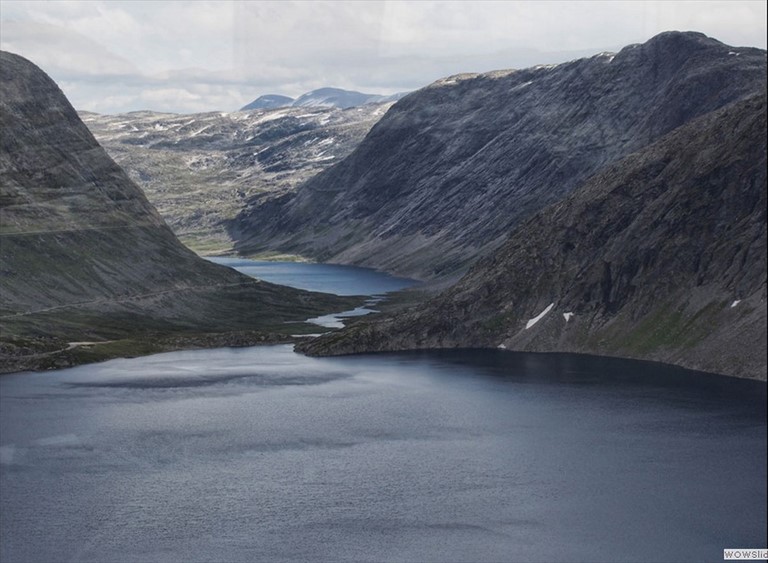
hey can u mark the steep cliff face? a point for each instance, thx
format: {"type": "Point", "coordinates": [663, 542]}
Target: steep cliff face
{"type": "Point", "coordinates": [452, 168]}
{"type": "Point", "coordinates": [661, 256]}
{"type": "Point", "coordinates": [84, 255]}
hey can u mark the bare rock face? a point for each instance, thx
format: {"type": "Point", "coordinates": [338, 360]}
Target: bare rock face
{"type": "Point", "coordinates": [451, 169]}
{"type": "Point", "coordinates": [660, 256]}
{"type": "Point", "coordinates": [84, 255]}
{"type": "Point", "coordinates": [199, 170]}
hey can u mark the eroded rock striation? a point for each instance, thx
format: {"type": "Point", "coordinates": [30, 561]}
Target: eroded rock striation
{"type": "Point", "coordinates": [85, 257]}
{"type": "Point", "coordinates": [451, 169]}
{"type": "Point", "coordinates": [660, 256]}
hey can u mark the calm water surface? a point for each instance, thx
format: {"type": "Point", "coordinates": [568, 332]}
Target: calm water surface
{"type": "Point", "coordinates": [328, 278]}
{"type": "Point", "coordinates": [262, 454]}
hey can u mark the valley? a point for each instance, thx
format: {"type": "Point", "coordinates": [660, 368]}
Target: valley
{"type": "Point", "coordinates": [199, 170]}
{"type": "Point", "coordinates": [622, 194]}
{"type": "Point", "coordinates": [452, 169]}
{"type": "Point", "coordinates": [508, 315]}
{"type": "Point", "coordinates": [646, 260]}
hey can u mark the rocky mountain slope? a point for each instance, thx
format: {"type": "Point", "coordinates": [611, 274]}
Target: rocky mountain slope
{"type": "Point", "coordinates": [322, 97]}
{"type": "Point", "coordinates": [453, 168]}
{"type": "Point", "coordinates": [200, 169]}
{"type": "Point", "coordinates": [660, 256]}
{"type": "Point", "coordinates": [85, 256]}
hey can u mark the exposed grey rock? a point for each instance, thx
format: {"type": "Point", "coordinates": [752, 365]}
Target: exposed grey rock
{"type": "Point", "coordinates": [200, 169]}
{"type": "Point", "coordinates": [452, 168]}
{"type": "Point", "coordinates": [660, 256]}
{"type": "Point", "coordinates": [85, 256]}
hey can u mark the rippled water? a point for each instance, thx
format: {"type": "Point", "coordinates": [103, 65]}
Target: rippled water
{"type": "Point", "coordinates": [262, 454]}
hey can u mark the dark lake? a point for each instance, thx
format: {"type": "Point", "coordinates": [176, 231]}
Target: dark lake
{"type": "Point", "coordinates": [260, 454]}
{"type": "Point", "coordinates": [328, 278]}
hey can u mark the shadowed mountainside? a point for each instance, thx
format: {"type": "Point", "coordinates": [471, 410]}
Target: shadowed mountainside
{"type": "Point", "coordinates": [85, 256]}
{"type": "Point", "coordinates": [661, 256]}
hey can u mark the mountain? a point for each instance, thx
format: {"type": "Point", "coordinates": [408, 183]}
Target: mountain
{"type": "Point", "coordinates": [322, 97]}
{"type": "Point", "coordinates": [451, 169]}
{"type": "Point", "coordinates": [336, 97]}
{"type": "Point", "coordinates": [85, 256]}
{"type": "Point", "coordinates": [270, 101]}
{"type": "Point", "coordinates": [660, 256]}
{"type": "Point", "coordinates": [200, 169]}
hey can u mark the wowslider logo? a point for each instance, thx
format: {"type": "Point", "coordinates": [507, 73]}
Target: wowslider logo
{"type": "Point", "coordinates": [745, 554]}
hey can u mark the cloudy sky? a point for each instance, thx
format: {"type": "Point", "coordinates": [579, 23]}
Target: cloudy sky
{"type": "Point", "coordinates": [113, 56]}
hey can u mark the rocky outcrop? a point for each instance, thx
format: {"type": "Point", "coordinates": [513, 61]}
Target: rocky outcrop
{"type": "Point", "coordinates": [85, 257]}
{"type": "Point", "coordinates": [453, 168]}
{"type": "Point", "coordinates": [199, 170]}
{"type": "Point", "coordinates": [660, 256]}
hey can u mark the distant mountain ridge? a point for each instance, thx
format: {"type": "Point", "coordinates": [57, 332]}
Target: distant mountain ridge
{"type": "Point", "coordinates": [200, 169]}
{"type": "Point", "coordinates": [323, 97]}
{"type": "Point", "coordinates": [452, 168]}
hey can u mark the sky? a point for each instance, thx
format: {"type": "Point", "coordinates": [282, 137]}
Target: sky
{"type": "Point", "coordinates": [113, 56]}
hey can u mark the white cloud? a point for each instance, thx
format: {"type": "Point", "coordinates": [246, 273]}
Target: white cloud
{"type": "Point", "coordinates": [62, 52]}
{"type": "Point", "coordinates": [114, 56]}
